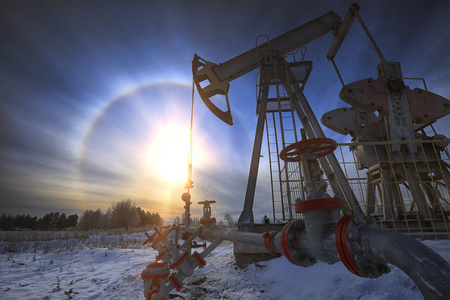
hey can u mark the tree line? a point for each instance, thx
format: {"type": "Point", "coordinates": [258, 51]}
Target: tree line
{"type": "Point", "coordinates": [123, 214]}
{"type": "Point", "coordinates": [50, 221]}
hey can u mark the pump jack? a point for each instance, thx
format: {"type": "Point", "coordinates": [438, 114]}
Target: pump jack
{"type": "Point", "coordinates": [331, 229]}
{"type": "Point", "coordinates": [403, 113]}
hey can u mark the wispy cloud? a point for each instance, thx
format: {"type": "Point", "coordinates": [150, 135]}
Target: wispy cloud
{"type": "Point", "coordinates": [65, 143]}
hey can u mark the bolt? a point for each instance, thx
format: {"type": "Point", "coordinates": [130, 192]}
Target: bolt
{"type": "Point", "coordinates": [290, 236]}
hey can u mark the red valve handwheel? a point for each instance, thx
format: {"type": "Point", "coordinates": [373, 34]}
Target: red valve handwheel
{"type": "Point", "coordinates": [321, 146]}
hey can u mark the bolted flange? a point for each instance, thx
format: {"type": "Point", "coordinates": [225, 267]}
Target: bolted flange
{"type": "Point", "coordinates": [179, 261]}
{"type": "Point", "coordinates": [149, 237]}
{"type": "Point", "coordinates": [161, 237]}
{"type": "Point", "coordinates": [350, 249]}
{"type": "Point", "coordinates": [199, 259]}
{"type": "Point", "coordinates": [289, 239]}
{"type": "Point", "coordinates": [175, 282]}
{"type": "Point", "coordinates": [268, 242]}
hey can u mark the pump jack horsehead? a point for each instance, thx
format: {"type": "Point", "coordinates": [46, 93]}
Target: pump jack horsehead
{"type": "Point", "coordinates": [318, 226]}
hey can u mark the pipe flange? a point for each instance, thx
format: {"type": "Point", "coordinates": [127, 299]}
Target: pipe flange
{"type": "Point", "coordinates": [161, 255]}
{"type": "Point", "coordinates": [350, 250]}
{"type": "Point", "coordinates": [289, 238]}
{"type": "Point", "coordinates": [319, 204]}
{"type": "Point", "coordinates": [199, 259]}
{"type": "Point", "coordinates": [268, 242]}
{"type": "Point", "coordinates": [202, 233]}
{"type": "Point", "coordinates": [208, 221]}
{"type": "Point", "coordinates": [149, 237]}
{"type": "Point", "coordinates": [179, 261]}
{"type": "Point", "coordinates": [161, 237]}
{"type": "Point", "coordinates": [175, 282]}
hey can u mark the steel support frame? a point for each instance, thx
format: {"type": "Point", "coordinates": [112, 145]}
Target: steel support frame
{"type": "Point", "coordinates": [246, 219]}
{"type": "Point", "coordinates": [336, 177]}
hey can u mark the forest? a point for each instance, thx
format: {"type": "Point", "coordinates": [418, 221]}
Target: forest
{"type": "Point", "coordinates": [122, 214]}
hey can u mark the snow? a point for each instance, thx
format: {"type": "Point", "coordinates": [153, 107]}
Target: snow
{"type": "Point", "coordinates": [113, 272]}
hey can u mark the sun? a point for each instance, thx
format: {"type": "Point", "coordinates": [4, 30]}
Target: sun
{"type": "Point", "coordinates": [167, 155]}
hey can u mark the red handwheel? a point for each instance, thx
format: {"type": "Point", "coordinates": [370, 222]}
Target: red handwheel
{"type": "Point", "coordinates": [320, 146]}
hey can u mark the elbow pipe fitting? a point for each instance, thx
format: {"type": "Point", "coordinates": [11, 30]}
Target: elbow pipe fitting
{"type": "Point", "coordinates": [429, 271]}
{"type": "Point", "coordinates": [366, 250]}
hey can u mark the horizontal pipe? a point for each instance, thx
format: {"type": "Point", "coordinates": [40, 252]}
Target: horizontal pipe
{"type": "Point", "coordinates": [429, 271]}
{"type": "Point", "coordinates": [214, 233]}
{"type": "Point", "coordinates": [188, 229]}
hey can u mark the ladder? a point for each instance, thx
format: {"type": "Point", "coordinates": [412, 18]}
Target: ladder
{"type": "Point", "coordinates": [275, 168]}
{"type": "Point", "coordinates": [281, 131]}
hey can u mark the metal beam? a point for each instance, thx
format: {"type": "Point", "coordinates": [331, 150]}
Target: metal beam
{"type": "Point", "coordinates": [246, 216]}
{"type": "Point", "coordinates": [343, 30]}
{"type": "Point", "coordinates": [285, 43]}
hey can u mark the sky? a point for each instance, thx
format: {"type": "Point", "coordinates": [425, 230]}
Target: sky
{"type": "Point", "coordinates": [95, 96]}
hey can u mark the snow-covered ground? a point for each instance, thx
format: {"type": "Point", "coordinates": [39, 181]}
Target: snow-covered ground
{"type": "Point", "coordinates": [87, 272]}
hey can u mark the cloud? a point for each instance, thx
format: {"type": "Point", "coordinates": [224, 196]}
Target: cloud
{"type": "Point", "coordinates": [64, 62]}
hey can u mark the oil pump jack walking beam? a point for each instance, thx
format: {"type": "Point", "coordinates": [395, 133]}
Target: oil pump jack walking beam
{"type": "Point", "coordinates": [271, 55]}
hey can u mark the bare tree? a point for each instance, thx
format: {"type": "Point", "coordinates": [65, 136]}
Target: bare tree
{"type": "Point", "coordinates": [124, 214]}
{"type": "Point", "coordinates": [91, 220]}
{"type": "Point", "coordinates": [229, 219]}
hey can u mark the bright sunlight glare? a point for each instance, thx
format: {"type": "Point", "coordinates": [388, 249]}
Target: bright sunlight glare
{"type": "Point", "coordinates": [168, 153]}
